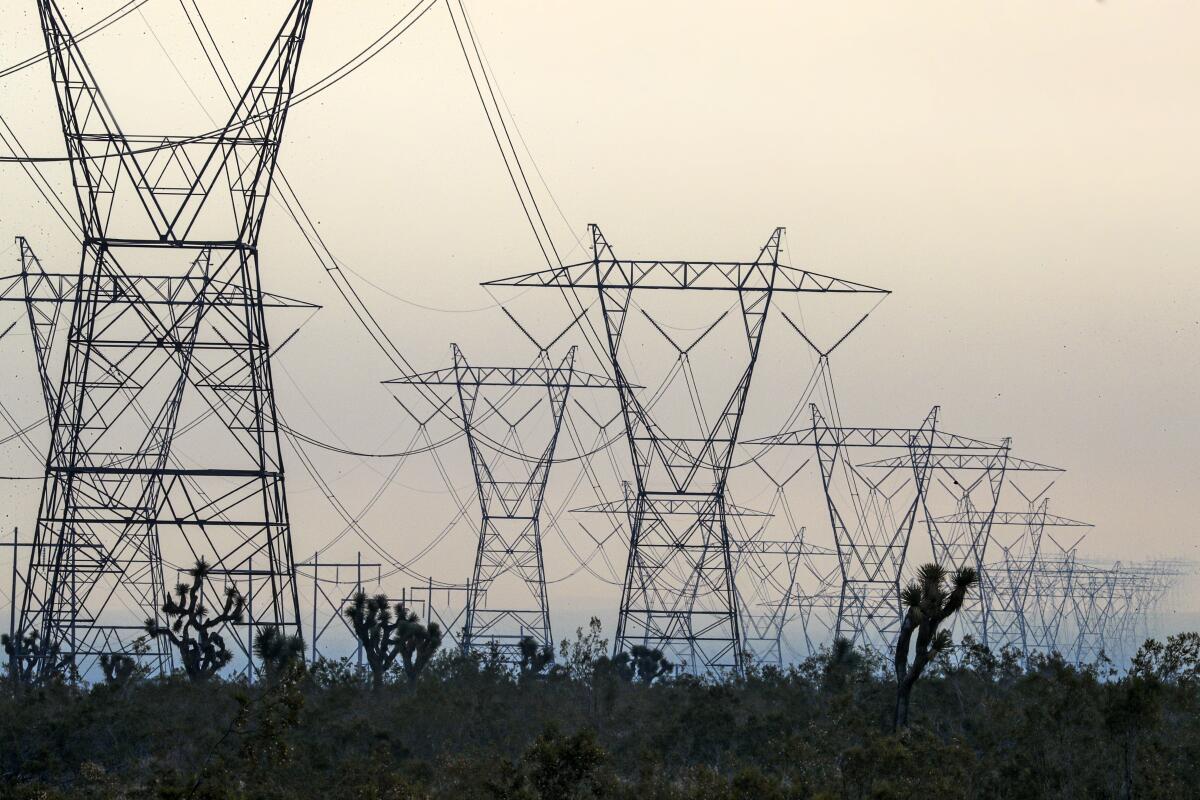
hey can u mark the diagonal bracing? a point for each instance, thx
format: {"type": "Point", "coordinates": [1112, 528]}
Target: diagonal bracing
{"type": "Point", "coordinates": [506, 598]}
{"type": "Point", "coordinates": [166, 344]}
{"type": "Point", "coordinates": [679, 594]}
{"type": "Point", "coordinates": [969, 483]}
{"type": "Point", "coordinates": [873, 506]}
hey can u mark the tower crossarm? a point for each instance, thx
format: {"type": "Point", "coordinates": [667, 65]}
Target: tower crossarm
{"type": "Point", "coordinates": [668, 505]}
{"type": "Point", "coordinates": [146, 290]}
{"type": "Point", "coordinates": [878, 437]}
{"type": "Point", "coordinates": [967, 460]}
{"type": "Point", "coordinates": [711, 275]}
{"type": "Point", "coordinates": [781, 547]}
{"type": "Point", "coordinates": [559, 377]}
{"type": "Point", "coordinates": [1023, 518]}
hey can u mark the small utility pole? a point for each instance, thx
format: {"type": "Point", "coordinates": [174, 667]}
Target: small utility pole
{"type": "Point", "coordinates": [12, 594]}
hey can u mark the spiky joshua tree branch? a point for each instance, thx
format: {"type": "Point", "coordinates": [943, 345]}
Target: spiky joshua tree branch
{"type": "Point", "coordinates": [386, 635]}
{"type": "Point", "coordinates": [24, 652]}
{"type": "Point", "coordinates": [930, 600]}
{"type": "Point", "coordinates": [278, 651]}
{"type": "Point", "coordinates": [193, 632]}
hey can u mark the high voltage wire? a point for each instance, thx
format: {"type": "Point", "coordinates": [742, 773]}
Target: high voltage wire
{"type": "Point", "coordinates": [353, 521]}
{"type": "Point", "coordinates": [328, 81]}
{"type": "Point", "coordinates": [291, 201]}
{"type": "Point", "coordinates": [85, 33]}
{"type": "Point", "coordinates": [299, 215]}
{"type": "Point", "coordinates": [33, 162]}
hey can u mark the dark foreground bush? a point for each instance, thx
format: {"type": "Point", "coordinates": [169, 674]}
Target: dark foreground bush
{"type": "Point", "coordinates": [986, 728]}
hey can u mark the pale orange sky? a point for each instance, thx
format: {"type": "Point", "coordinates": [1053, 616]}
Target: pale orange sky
{"type": "Point", "coordinates": [1022, 175]}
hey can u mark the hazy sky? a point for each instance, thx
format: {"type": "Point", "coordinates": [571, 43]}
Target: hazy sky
{"type": "Point", "coordinates": [1022, 175]}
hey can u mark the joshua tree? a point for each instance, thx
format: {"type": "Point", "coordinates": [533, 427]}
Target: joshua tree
{"type": "Point", "coordinates": [374, 626]}
{"type": "Point", "coordinates": [118, 668]}
{"type": "Point", "coordinates": [534, 658]}
{"type": "Point", "coordinates": [384, 636]}
{"type": "Point", "coordinates": [930, 599]}
{"type": "Point", "coordinates": [23, 654]}
{"type": "Point", "coordinates": [194, 633]}
{"type": "Point", "coordinates": [843, 662]}
{"type": "Point", "coordinates": [418, 642]}
{"type": "Point", "coordinates": [641, 663]}
{"type": "Point", "coordinates": [277, 651]}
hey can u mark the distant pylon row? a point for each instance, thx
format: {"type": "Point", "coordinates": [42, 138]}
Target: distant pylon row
{"type": "Point", "coordinates": [167, 348]}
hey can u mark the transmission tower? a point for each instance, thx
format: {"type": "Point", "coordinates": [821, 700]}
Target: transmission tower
{"type": "Point", "coordinates": [970, 482]}
{"type": "Point", "coordinates": [678, 594]}
{"type": "Point", "coordinates": [1093, 599]}
{"type": "Point", "coordinates": [766, 568]}
{"type": "Point", "coordinates": [873, 512]}
{"type": "Point", "coordinates": [1008, 583]}
{"type": "Point", "coordinates": [817, 608]}
{"type": "Point", "coordinates": [167, 345]}
{"type": "Point", "coordinates": [768, 594]}
{"type": "Point", "coordinates": [329, 598]}
{"type": "Point", "coordinates": [506, 599]}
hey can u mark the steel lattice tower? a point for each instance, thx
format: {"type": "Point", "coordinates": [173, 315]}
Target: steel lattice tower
{"type": "Point", "coordinates": [167, 345]}
{"type": "Point", "coordinates": [970, 482]}
{"type": "Point", "coordinates": [506, 599]}
{"type": "Point", "coordinates": [678, 594]}
{"type": "Point", "coordinates": [766, 567]}
{"type": "Point", "coordinates": [767, 593]}
{"type": "Point", "coordinates": [871, 528]}
{"type": "Point", "coordinates": [1008, 583]}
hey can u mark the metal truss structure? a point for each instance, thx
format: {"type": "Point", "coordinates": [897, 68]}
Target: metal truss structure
{"type": "Point", "coordinates": [678, 594]}
{"type": "Point", "coordinates": [164, 437]}
{"type": "Point", "coordinates": [766, 573]}
{"type": "Point", "coordinates": [334, 584]}
{"type": "Point", "coordinates": [1048, 597]}
{"type": "Point", "coordinates": [1045, 599]}
{"type": "Point", "coordinates": [1153, 581]}
{"type": "Point", "coordinates": [872, 513]}
{"type": "Point", "coordinates": [1110, 605]}
{"type": "Point", "coordinates": [970, 483]}
{"type": "Point", "coordinates": [445, 604]}
{"type": "Point", "coordinates": [1022, 611]}
{"type": "Point", "coordinates": [506, 599]}
{"type": "Point", "coordinates": [167, 344]}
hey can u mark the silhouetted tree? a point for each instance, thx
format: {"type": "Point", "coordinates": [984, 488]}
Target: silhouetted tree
{"type": "Point", "coordinates": [277, 651]}
{"type": "Point", "coordinates": [1135, 703]}
{"type": "Point", "coordinates": [641, 663]}
{"type": "Point", "coordinates": [930, 599]}
{"type": "Point", "coordinates": [579, 658]}
{"type": "Point", "coordinates": [118, 668]}
{"type": "Point", "coordinates": [535, 658]}
{"type": "Point", "coordinates": [373, 625]}
{"type": "Point", "coordinates": [23, 653]}
{"type": "Point", "coordinates": [386, 636]}
{"type": "Point", "coordinates": [1133, 708]}
{"type": "Point", "coordinates": [193, 632]}
{"type": "Point", "coordinates": [418, 642]}
{"type": "Point", "coordinates": [556, 766]}
{"type": "Point", "coordinates": [842, 662]}
{"type": "Point", "coordinates": [1175, 661]}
